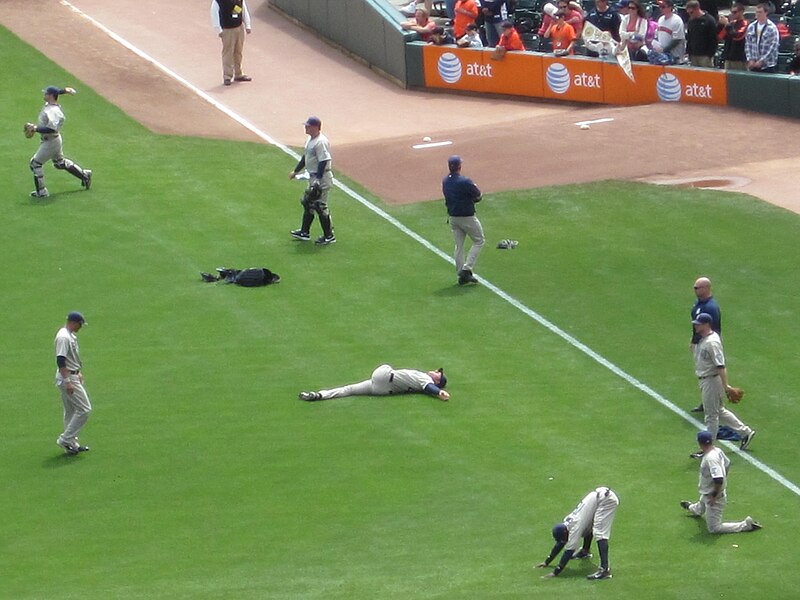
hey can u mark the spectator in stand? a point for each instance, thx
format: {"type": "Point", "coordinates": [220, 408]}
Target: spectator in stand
{"type": "Point", "coordinates": [441, 37]}
{"type": "Point", "coordinates": [733, 33]}
{"type": "Point", "coordinates": [422, 24]}
{"type": "Point", "coordinates": [671, 37]}
{"type": "Point", "coordinates": [548, 17]}
{"type": "Point", "coordinates": [794, 65]}
{"type": "Point", "coordinates": [562, 34]}
{"type": "Point", "coordinates": [471, 39]}
{"type": "Point", "coordinates": [761, 42]}
{"type": "Point", "coordinates": [411, 8]}
{"type": "Point", "coordinates": [710, 6]}
{"type": "Point", "coordinates": [494, 13]}
{"type": "Point", "coordinates": [466, 12]}
{"type": "Point", "coordinates": [509, 40]}
{"type": "Point", "coordinates": [632, 29]}
{"type": "Point", "coordinates": [652, 27]}
{"type": "Point", "coordinates": [573, 15]}
{"type": "Point", "coordinates": [604, 18]}
{"type": "Point", "coordinates": [701, 36]}
{"type": "Point", "coordinates": [450, 8]}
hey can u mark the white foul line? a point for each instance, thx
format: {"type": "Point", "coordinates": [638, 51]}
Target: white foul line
{"type": "Point", "coordinates": [425, 243]}
{"type": "Point", "coordinates": [605, 120]}
{"type": "Point", "coordinates": [431, 145]}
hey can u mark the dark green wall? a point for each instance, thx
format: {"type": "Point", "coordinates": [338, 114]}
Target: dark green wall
{"type": "Point", "coordinates": [369, 29]}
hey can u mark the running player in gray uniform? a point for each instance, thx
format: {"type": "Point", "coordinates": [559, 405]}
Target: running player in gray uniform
{"type": "Point", "coordinates": [712, 486]}
{"type": "Point", "coordinates": [51, 119]}
{"type": "Point", "coordinates": [69, 381]}
{"type": "Point", "coordinates": [316, 160]}
{"type": "Point", "coordinates": [709, 364]}
{"type": "Point", "coordinates": [592, 517]}
{"type": "Point", "coordinates": [386, 381]}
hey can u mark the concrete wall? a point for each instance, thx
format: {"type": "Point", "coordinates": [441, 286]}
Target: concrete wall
{"type": "Point", "coordinates": [370, 29]}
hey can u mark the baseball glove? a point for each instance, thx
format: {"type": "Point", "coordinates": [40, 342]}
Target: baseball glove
{"type": "Point", "coordinates": [29, 130]}
{"type": "Point", "coordinates": [734, 394]}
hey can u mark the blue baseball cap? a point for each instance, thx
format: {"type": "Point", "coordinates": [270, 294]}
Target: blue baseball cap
{"type": "Point", "coordinates": [443, 380]}
{"type": "Point", "coordinates": [704, 438]}
{"type": "Point", "coordinates": [52, 90]}
{"type": "Point", "coordinates": [313, 121]}
{"type": "Point", "coordinates": [560, 532]}
{"type": "Point", "coordinates": [76, 317]}
{"type": "Point", "coordinates": [703, 318]}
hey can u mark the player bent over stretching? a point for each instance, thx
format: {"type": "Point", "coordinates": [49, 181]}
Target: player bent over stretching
{"type": "Point", "coordinates": [592, 517]}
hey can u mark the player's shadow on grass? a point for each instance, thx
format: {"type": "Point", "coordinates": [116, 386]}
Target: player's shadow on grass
{"type": "Point", "coordinates": [52, 198]}
{"type": "Point", "coordinates": [456, 290]}
{"type": "Point", "coordinates": [703, 536]}
{"type": "Point", "coordinates": [59, 460]}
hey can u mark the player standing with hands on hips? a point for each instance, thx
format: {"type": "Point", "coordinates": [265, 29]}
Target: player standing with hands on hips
{"type": "Point", "coordinates": [69, 381]}
{"type": "Point", "coordinates": [705, 304]}
{"type": "Point", "coordinates": [316, 160]}
{"type": "Point", "coordinates": [460, 196]}
{"type": "Point", "coordinates": [51, 119]}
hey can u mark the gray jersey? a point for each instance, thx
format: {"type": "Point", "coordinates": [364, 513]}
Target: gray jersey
{"type": "Point", "coordinates": [708, 356]}
{"type": "Point", "coordinates": [713, 466]}
{"type": "Point", "coordinates": [67, 346]}
{"type": "Point", "coordinates": [409, 381]}
{"type": "Point", "coordinates": [317, 150]}
{"type": "Point", "coordinates": [51, 117]}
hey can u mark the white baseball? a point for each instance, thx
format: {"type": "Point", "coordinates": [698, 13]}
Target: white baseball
{"type": "Point", "coordinates": [426, 139]}
{"type": "Point", "coordinates": [584, 126]}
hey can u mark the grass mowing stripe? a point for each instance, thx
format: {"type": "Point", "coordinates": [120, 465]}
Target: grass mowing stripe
{"type": "Point", "coordinates": [428, 245]}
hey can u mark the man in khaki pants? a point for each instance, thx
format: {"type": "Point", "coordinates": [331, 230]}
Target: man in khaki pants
{"type": "Point", "coordinates": [231, 20]}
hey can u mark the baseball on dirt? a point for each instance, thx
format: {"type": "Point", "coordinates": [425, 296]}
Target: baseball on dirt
{"type": "Point", "coordinates": [584, 126]}
{"type": "Point", "coordinates": [426, 139]}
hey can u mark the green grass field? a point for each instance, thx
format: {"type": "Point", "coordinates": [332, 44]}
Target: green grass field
{"type": "Point", "coordinates": [208, 479]}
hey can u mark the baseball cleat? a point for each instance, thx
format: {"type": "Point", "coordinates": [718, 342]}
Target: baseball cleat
{"type": "Point", "coordinates": [226, 82]}
{"type": "Point", "coordinates": [685, 504]}
{"type": "Point", "coordinates": [696, 455]}
{"type": "Point", "coordinates": [82, 448]}
{"type": "Point", "coordinates": [581, 554]}
{"type": "Point", "coordinates": [68, 448]}
{"type": "Point", "coordinates": [698, 409]}
{"type": "Point", "coordinates": [243, 78]}
{"type": "Point", "coordinates": [310, 396]}
{"type": "Point", "coordinates": [465, 276]}
{"type": "Point", "coordinates": [87, 178]}
{"type": "Point", "coordinates": [324, 240]}
{"type": "Point", "coordinates": [753, 523]}
{"type": "Point", "coordinates": [40, 194]}
{"type": "Point", "coordinates": [300, 235]}
{"type": "Point", "coordinates": [600, 574]}
{"type": "Point", "coordinates": [747, 439]}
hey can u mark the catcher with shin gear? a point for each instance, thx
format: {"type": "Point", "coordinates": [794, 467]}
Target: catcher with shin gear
{"type": "Point", "coordinates": [316, 159]}
{"type": "Point", "coordinates": [51, 119]}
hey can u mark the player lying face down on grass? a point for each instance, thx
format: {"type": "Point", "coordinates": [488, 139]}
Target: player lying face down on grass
{"type": "Point", "coordinates": [592, 517]}
{"type": "Point", "coordinates": [388, 381]}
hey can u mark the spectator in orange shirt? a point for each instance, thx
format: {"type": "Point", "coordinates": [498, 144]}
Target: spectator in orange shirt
{"type": "Point", "coordinates": [509, 40]}
{"type": "Point", "coordinates": [466, 11]}
{"type": "Point", "coordinates": [562, 34]}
